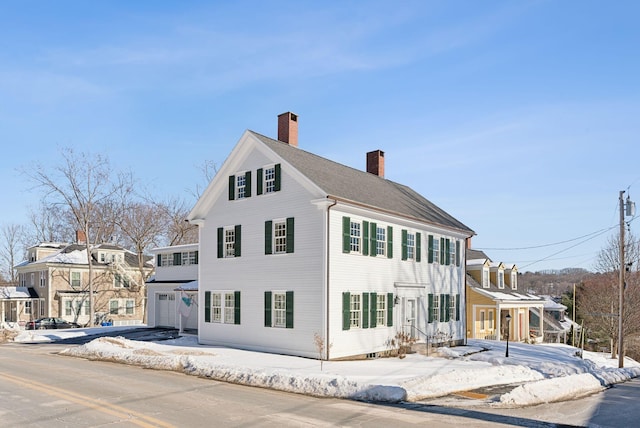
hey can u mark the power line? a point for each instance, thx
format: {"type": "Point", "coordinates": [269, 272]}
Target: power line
{"type": "Point", "coordinates": [597, 233]}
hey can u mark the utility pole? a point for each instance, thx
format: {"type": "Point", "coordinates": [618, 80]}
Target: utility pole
{"type": "Point", "coordinates": [630, 211]}
{"type": "Point", "coordinates": [621, 286]}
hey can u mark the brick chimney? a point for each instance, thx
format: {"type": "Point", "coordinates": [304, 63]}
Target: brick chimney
{"type": "Point", "coordinates": [81, 237]}
{"type": "Point", "coordinates": [288, 128]}
{"type": "Point", "coordinates": [375, 163]}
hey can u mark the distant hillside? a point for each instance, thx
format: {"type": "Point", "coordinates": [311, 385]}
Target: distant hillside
{"type": "Point", "coordinates": [551, 282]}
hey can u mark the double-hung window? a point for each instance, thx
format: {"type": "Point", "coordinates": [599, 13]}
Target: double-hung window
{"type": "Point", "coordinates": [75, 279]}
{"type": "Point", "coordinates": [279, 236]}
{"type": "Point", "coordinates": [514, 281]}
{"type": "Point", "coordinates": [356, 236]}
{"type": "Point", "coordinates": [434, 306]}
{"type": "Point", "coordinates": [436, 250]}
{"type": "Point", "coordinates": [278, 309]}
{"type": "Point", "coordinates": [129, 306]}
{"type": "Point", "coordinates": [229, 242]}
{"type": "Point", "coordinates": [240, 185]}
{"type": "Point", "coordinates": [166, 259]}
{"type": "Point", "coordinates": [229, 308]}
{"type": "Point", "coordinates": [355, 311]}
{"type": "Point", "coordinates": [485, 277]}
{"type": "Point", "coordinates": [500, 279]}
{"type": "Point", "coordinates": [381, 241]}
{"type": "Point", "coordinates": [411, 246]}
{"type": "Point", "coordinates": [42, 278]}
{"type": "Point", "coordinates": [268, 179]}
{"type": "Point", "coordinates": [453, 311]}
{"type": "Point", "coordinates": [222, 307]}
{"type": "Point", "coordinates": [114, 305]}
{"type": "Point", "coordinates": [381, 310]}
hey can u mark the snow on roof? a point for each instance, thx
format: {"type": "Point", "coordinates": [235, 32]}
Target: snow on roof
{"type": "Point", "coordinates": [14, 293]}
{"type": "Point", "coordinates": [76, 257]}
{"type": "Point", "coordinates": [174, 248]}
{"type": "Point", "coordinates": [476, 262]}
{"type": "Point", "coordinates": [189, 286]}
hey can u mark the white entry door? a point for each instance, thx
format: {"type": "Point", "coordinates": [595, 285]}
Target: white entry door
{"type": "Point", "coordinates": [166, 309]}
{"type": "Point", "coordinates": [410, 317]}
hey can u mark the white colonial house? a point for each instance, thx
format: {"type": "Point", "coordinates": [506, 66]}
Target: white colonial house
{"type": "Point", "coordinates": [176, 278]}
{"type": "Point", "coordinates": [295, 248]}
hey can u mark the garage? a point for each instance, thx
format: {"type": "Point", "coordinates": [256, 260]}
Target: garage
{"type": "Point", "coordinates": [165, 309]}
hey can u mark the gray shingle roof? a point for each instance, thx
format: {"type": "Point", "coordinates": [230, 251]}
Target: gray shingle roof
{"type": "Point", "coordinates": [348, 183]}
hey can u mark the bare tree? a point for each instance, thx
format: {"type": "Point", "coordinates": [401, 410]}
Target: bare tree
{"type": "Point", "coordinates": [49, 224]}
{"type": "Point", "coordinates": [140, 226]}
{"type": "Point", "coordinates": [11, 250]}
{"type": "Point", "coordinates": [177, 230]}
{"type": "Point", "coordinates": [598, 296]}
{"type": "Point", "coordinates": [82, 183]}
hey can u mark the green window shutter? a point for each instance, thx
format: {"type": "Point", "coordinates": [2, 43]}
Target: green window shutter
{"type": "Point", "coordinates": [441, 251]}
{"type": "Point", "coordinates": [429, 309]}
{"type": "Point", "coordinates": [418, 246]}
{"type": "Point", "coordinates": [430, 250]}
{"type": "Point", "coordinates": [365, 310]}
{"type": "Point", "coordinates": [290, 234]}
{"type": "Point", "coordinates": [197, 257]}
{"type": "Point", "coordinates": [447, 311]}
{"type": "Point", "coordinates": [268, 230]}
{"type": "Point", "coordinates": [373, 308]}
{"type": "Point", "coordinates": [389, 242]}
{"type": "Point", "coordinates": [259, 179]}
{"type": "Point", "coordinates": [457, 253]}
{"type": "Point", "coordinates": [232, 187]}
{"type": "Point", "coordinates": [278, 178]}
{"type": "Point", "coordinates": [346, 310]}
{"type": "Point", "coordinates": [346, 234]}
{"type": "Point", "coordinates": [158, 260]}
{"type": "Point", "coordinates": [443, 307]}
{"type": "Point", "coordinates": [236, 307]}
{"type": "Point", "coordinates": [220, 242]}
{"type": "Point", "coordinates": [373, 240]}
{"type": "Point", "coordinates": [247, 186]}
{"type": "Point", "coordinates": [389, 309]}
{"type": "Point", "coordinates": [365, 238]}
{"type": "Point", "coordinates": [289, 309]}
{"type": "Point", "coordinates": [447, 251]}
{"type": "Point", "coordinates": [457, 307]}
{"type": "Point", "coordinates": [267, 308]}
{"type": "Point", "coordinates": [404, 244]}
{"type": "Point", "coordinates": [207, 306]}
{"type": "Point", "coordinates": [237, 246]}
{"type": "Point", "coordinates": [177, 259]}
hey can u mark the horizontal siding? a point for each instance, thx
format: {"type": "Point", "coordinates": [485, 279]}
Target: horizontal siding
{"type": "Point", "coordinates": [358, 273]}
{"type": "Point", "coordinates": [253, 272]}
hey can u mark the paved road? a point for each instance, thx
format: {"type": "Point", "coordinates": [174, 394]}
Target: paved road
{"type": "Point", "coordinates": [39, 388]}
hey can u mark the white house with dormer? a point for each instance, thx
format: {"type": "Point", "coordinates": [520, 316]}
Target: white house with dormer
{"type": "Point", "coordinates": [295, 247]}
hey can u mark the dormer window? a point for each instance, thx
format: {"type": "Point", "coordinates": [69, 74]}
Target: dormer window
{"type": "Point", "coordinates": [485, 278]}
{"type": "Point", "coordinates": [514, 281]}
{"type": "Point", "coordinates": [501, 279]}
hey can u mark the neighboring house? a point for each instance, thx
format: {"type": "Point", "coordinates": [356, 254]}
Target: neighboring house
{"type": "Point", "coordinates": [295, 247]}
{"type": "Point", "coordinates": [176, 277]}
{"type": "Point", "coordinates": [556, 326]}
{"type": "Point", "coordinates": [18, 304]}
{"type": "Point", "coordinates": [59, 274]}
{"type": "Point", "coordinates": [492, 294]}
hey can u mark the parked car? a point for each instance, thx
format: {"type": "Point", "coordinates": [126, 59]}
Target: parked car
{"type": "Point", "coordinates": [50, 323]}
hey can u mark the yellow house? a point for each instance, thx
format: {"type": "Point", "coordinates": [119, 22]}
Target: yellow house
{"type": "Point", "coordinates": [494, 305]}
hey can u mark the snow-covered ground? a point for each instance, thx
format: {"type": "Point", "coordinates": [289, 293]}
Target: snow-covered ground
{"type": "Point", "coordinates": [544, 373]}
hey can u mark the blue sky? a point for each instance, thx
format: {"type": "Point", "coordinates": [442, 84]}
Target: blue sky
{"type": "Point", "coordinates": [520, 118]}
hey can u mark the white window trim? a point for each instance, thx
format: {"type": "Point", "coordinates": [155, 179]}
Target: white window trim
{"type": "Point", "coordinates": [279, 314]}
{"type": "Point", "coordinates": [435, 310]}
{"type": "Point", "coordinates": [241, 188]}
{"type": "Point", "coordinates": [355, 237]}
{"type": "Point", "coordinates": [269, 184]}
{"type": "Point", "coordinates": [279, 242]}
{"type": "Point", "coordinates": [381, 244]}
{"type": "Point", "coordinates": [411, 245]}
{"type": "Point", "coordinates": [226, 307]}
{"type": "Point", "coordinates": [71, 278]}
{"type": "Point", "coordinates": [436, 249]}
{"type": "Point", "coordinates": [229, 246]}
{"type": "Point", "coordinates": [355, 310]}
{"type": "Point", "coordinates": [381, 310]}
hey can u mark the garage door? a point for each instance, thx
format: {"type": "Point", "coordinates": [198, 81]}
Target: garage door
{"type": "Point", "coordinates": [166, 309]}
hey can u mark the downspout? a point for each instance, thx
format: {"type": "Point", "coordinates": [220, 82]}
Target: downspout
{"type": "Point", "coordinates": [327, 341]}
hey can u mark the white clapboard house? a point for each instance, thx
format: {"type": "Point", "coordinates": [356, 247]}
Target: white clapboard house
{"type": "Point", "coordinates": [303, 256]}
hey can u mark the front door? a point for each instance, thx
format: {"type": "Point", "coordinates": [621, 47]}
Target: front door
{"type": "Point", "coordinates": [410, 317]}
